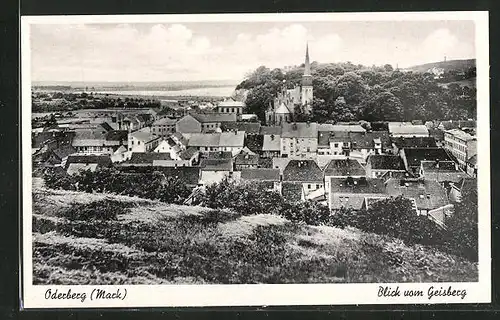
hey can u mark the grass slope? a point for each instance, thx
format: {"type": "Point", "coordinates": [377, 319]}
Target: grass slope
{"type": "Point", "coordinates": [155, 243]}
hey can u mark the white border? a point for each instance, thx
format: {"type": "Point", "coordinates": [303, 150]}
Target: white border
{"type": "Point", "coordinates": [265, 295]}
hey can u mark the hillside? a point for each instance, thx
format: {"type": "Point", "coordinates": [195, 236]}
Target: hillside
{"type": "Point", "coordinates": [460, 65]}
{"type": "Point", "coordinates": [77, 240]}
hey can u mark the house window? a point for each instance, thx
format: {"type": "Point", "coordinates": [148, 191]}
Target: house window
{"type": "Point", "coordinates": [318, 186]}
{"type": "Point", "coordinates": [308, 186]}
{"type": "Point", "coordinates": [336, 145]}
{"type": "Point", "coordinates": [308, 149]}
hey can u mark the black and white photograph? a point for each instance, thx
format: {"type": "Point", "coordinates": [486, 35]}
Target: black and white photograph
{"type": "Point", "coordinates": [255, 159]}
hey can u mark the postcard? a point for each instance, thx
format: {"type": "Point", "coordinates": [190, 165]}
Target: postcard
{"type": "Point", "coordinates": [255, 160]}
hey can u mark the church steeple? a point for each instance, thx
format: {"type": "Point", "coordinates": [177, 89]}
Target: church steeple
{"type": "Point", "coordinates": [307, 86]}
{"type": "Point", "coordinates": [307, 66]}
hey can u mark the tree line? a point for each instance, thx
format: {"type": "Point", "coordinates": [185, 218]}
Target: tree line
{"type": "Point", "coordinates": [347, 92]}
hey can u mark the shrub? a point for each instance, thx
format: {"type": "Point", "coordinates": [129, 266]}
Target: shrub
{"type": "Point", "coordinates": [394, 217]}
{"type": "Point", "coordinates": [98, 210]}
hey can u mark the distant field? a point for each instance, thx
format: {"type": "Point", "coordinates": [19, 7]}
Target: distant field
{"type": "Point", "coordinates": [471, 83]}
{"type": "Point", "coordinates": [155, 243]}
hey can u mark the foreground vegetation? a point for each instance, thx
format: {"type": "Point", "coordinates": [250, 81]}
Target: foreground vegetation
{"type": "Point", "coordinates": [81, 238]}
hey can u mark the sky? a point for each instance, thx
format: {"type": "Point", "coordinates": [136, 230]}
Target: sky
{"type": "Point", "coordinates": [197, 51]}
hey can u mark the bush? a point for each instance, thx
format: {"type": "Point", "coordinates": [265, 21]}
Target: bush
{"type": "Point", "coordinates": [98, 210]}
{"type": "Point", "coordinates": [394, 217]}
{"type": "Point", "coordinates": [149, 184]}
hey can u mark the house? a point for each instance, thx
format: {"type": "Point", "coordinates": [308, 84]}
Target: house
{"type": "Point", "coordinates": [169, 146]}
{"type": "Point", "coordinates": [379, 165]}
{"type": "Point", "coordinates": [53, 157]}
{"type": "Point", "coordinates": [232, 141]}
{"type": "Point", "coordinates": [352, 192]}
{"type": "Point", "coordinates": [163, 127]}
{"type": "Point", "coordinates": [225, 141]}
{"type": "Point", "coordinates": [354, 144]}
{"type": "Point", "coordinates": [95, 142]}
{"type": "Point", "coordinates": [472, 166]}
{"type": "Point", "coordinates": [216, 170]}
{"type": "Point", "coordinates": [399, 143]}
{"type": "Point", "coordinates": [464, 186]}
{"type": "Point", "coordinates": [427, 195]}
{"type": "Point", "coordinates": [299, 139]}
{"type": "Point", "coordinates": [269, 179]}
{"type": "Point", "coordinates": [231, 106]}
{"type": "Point", "coordinates": [461, 144]}
{"type": "Point", "coordinates": [271, 146]}
{"type": "Point", "coordinates": [188, 124]}
{"type": "Point", "coordinates": [142, 141]}
{"type": "Point", "coordinates": [120, 154]}
{"type": "Point", "coordinates": [246, 159]}
{"type": "Point", "coordinates": [456, 124]}
{"type": "Point", "coordinates": [304, 173]}
{"type": "Point", "coordinates": [77, 163]}
{"type": "Point", "coordinates": [211, 122]}
{"type": "Point", "coordinates": [142, 159]}
{"type": "Point", "coordinates": [413, 157]}
{"type": "Point", "coordinates": [344, 168]}
{"type": "Point", "coordinates": [398, 129]}
{"type": "Point", "coordinates": [444, 172]}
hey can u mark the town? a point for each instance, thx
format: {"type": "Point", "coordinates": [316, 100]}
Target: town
{"type": "Point", "coordinates": [346, 164]}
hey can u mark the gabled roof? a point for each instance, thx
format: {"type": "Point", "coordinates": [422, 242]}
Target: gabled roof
{"type": "Point", "coordinates": [461, 134]}
{"type": "Point", "coordinates": [144, 135]}
{"type": "Point", "coordinates": [271, 143]}
{"type": "Point", "coordinates": [427, 194]}
{"type": "Point", "coordinates": [300, 130]}
{"type": "Point", "coordinates": [231, 103]}
{"type": "Point", "coordinates": [414, 156]}
{"type": "Point", "coordinates": [396, 129]}
{"type": "Point", "coordinates": [282, 109]}
{"type": "Point", "coordinates": [261, 174]}
{"type": "Point", "coordinates": [106, 126]}
{"type": "Point", "coordinates": [117, 135]}
{"type": "Point", "coordinates": [247, 127]}
{"type": "Point", "coordinates": [147, 157]}
{"type": "Point", "coordinates": [214, 117]}
{"type": "Point", "coordinates": [341, 127]}
{"type": "Point", "coordinates": [302, 171]}
{"type": "Point", "coordinates": [472, 160]}
{"type": "Point", "coordinates": [357, 185]}
{"type": "Point", "coordinates": [385, 162]}
{"type": "Point", "coordinates": [344, 168]}
{"type": "Point", "coordinates": [64, 151]}
{"type": "Point", "coordinates": [219, 155]}
{"type": "Point", "coordinates": [164, 121]}
{"type": "Point", "coordinates": [232, 139]}
{"type": "Point", "coordinates": [414, 142]}
{"type": "Point", "coordinates": [188, 153]}
{"type": "Point", "coordinates": [247, 158]}
{"type": "Point", "coordinates": [100, 160]}
{"type": "Point", "coordinates": [204, 140]}
{"type": "Point", "coordinates": [276, 130]}
{"type": "Point", "coordinates": [216, 164]}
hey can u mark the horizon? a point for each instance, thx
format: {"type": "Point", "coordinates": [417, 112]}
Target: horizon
{"type": "Point", "coordinates": [209, 51]}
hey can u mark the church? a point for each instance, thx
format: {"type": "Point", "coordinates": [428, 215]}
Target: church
{"type": "Point", "coordinates": [283, 108]}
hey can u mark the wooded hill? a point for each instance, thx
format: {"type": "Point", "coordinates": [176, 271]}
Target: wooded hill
{"type": "Point", "coordinates": [347, 92]}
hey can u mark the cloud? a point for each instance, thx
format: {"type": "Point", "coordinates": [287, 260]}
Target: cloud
{"type": "Point", "coordinates": [166, 52]}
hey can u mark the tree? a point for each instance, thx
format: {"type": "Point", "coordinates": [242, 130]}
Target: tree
{"type": "Point", "coordinates": [461, 228]}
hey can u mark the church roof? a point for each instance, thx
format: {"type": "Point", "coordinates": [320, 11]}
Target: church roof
{"type": "Point", "coordinates": [282, 109]}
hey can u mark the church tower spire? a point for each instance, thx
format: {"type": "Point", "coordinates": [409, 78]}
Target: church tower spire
{"type": "Point", "coordinates": [307, 87]}
{"type": "Point", "coordinates": [307, 66]}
